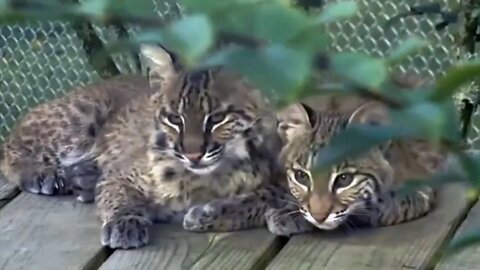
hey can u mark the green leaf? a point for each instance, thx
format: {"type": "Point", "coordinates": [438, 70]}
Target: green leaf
{"type": "Point", "coordinates": [311, 41]}
{"type": "Point", "coordinates": [191, 37]}
{"type": "Point", "coordinates": [4, 6]}
{"type": "Point", "coordinates": [275, 68]}
{"type": "Point", "coordinates": [278, 23]}
{"type": "Point", "coordinates": [359, 68]}
{"type": "Point", "coordinates": [470, 165]}
{"type": "Point", "coordinates": [94, 8]}
{"type": "Point", "coordinates": [270, 21]}
{"type": "Point", "coordinates": [127, 8]}
{"type": "Point", "coordinates": [454, 78]}
{"type": "Point", "coordinates": [429, 120]}
{"type": "Point", "coordinates": [213, 6]}
{"type": "Point", "coordinates": [448, 176]}
{"type": "Point", "coordinates": [354, 141]}
{"type": "Point", "coordinates": [337, 11]}
{"type": "Point", "coordinates": [466, 240]}
{"type": "Point", "coordinates": [406, 48]}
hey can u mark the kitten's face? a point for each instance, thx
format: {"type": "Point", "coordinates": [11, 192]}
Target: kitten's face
{"type": "Point", "coordinates": [205, 118]}
{"type": "Point", "coordinates": [329, 197]}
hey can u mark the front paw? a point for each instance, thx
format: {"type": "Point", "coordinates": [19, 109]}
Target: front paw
{"type": "Point", "coordinates": [217, 215]}
{"type": "Point", "coordinates": [126, 232]}
{"type": "Point", "coordinates": [199, 218]}
{"type": "Point", "coordinates": [84, 176]}
{"type": "Point", "coordinates": [46, 181]}
{"type": "Point", "coordinates": [282, 222]}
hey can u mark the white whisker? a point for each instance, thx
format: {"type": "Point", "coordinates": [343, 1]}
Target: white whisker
{"type": "Point", "coordinates": [290, 213]}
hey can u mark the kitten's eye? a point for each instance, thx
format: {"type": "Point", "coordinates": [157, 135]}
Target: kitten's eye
{"type": "Point", "coordinates": [217, 117]}
{"type": "Point", "coordinates": [343, 180]}
{"type": "Point", "coordinates": [175, 119]}
{"type": "Point", "coordinates": [301, 177]}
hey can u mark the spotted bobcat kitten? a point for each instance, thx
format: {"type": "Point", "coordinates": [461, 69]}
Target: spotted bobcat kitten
{"type": "Point", "coordinates": [185, 155]}
{"type": "Point", "coordinates": [363, 189]}
{"type": "Point", "coordinates": [48, 150]}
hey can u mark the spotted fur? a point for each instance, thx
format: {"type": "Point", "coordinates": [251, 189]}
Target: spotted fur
{"type": "Point", "coordinates": [362, 190]}
{"type": "Point", "coordinates": [196, 152]}
{"type": "Point", "coordinates": [48, 151]}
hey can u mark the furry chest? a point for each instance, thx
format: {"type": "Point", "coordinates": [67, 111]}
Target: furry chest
{"type": "Point", "coordinates": [179, 189]}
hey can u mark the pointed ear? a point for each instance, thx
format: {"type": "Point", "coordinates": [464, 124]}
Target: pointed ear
{"type": "Point", "coordinates": [294, 120]}
{"type": "Point", "coordinates": [371, 113]}
{"type": "Point", "coordinates": [160, 68]}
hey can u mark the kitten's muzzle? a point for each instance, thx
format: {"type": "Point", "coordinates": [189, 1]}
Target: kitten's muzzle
{"type": "Point", "coordinates": [194, 157]}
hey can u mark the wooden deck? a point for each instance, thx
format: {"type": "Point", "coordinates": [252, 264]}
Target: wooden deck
{"type": "Point", "coordinates": [49, 233]}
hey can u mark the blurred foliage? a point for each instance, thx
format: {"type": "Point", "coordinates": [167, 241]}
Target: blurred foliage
{"type": "Point", "coordinates": [280, 47]}
{"type": "Point", "coordinates": [464, 17]}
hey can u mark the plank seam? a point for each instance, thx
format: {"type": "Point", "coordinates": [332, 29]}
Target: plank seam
{"type": "Point", "coordinates": [99, 259]}
{"type": "Point", "coordinates": [11, 195]}
{"type": "Point", "coordinates": [270, 254]}
{"type": "Point", "coordinates": [437, 255]}
{"type": "Point", "coordinates": [210, 243]}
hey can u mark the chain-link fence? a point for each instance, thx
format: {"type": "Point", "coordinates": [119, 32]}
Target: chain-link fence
{"type": "Point", "coordinates": [38, 61]}
{"type": "Point", "coordinates": [370, 33]}
{"type": "Point", "coordinates": [42, 61]}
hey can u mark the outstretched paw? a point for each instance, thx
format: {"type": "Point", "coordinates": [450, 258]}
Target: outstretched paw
{"type": "Point", "coordinates": [47, 181]}
{"type": "Point", "coordinates": [202, 217]}
{"type": "Point", "coordinates": [126, 232]}
{"type": "Point", "coordinates": [84, 176]}
{"type": "Point", "coordinates": [283, 222]}
{"type": "Point", "coordinates": [218, 215]}
{"type": "Point", "coordinates": [221, 215]}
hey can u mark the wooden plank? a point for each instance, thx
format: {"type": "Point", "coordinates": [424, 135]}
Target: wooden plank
{"type": "Point", "coordinates": [467, 259]}
{"type": "Point", "coordinates": [406, 246]}
{"type": "Point", "coordinates": [39, 232]}
{"type": "Point", "coordinates": [173, 248]}
{"type": "Point", "coordinates": [7, 191]}
{"type": "Point", "coordinates": [248, 249]}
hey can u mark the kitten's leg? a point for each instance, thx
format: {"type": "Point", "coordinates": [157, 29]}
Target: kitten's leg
{"type": "Point", "coordinates": [237, 213]}
{"type": "Point", "coordinates": [395, 207]}
{"type": "Point", "coordinates": [124, 213]}
{"type": "Point", "coordinates": [33, 168]}
{"type": "Point", "coordinates": [287, 221]}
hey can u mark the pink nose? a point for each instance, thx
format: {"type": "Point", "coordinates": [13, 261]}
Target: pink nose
{"type": "Point", "coordinates": [194, 156]}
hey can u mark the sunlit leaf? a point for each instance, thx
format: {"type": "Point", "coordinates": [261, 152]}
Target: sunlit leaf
{"type": "Point", "coordinates": [337, 11]}
{"type": "Point", "coordinates": [95, 8]}
{"type": "Point", "coordinates": [472, 194]}
{"type": "Point", "coordinates": [454, 78]}
{"type": "Point", "coordinates": [359, 68]}
{"type": "Point", "coordinates": [4, 6]}
{"type": "Point", "coordinates": [406, 48]}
